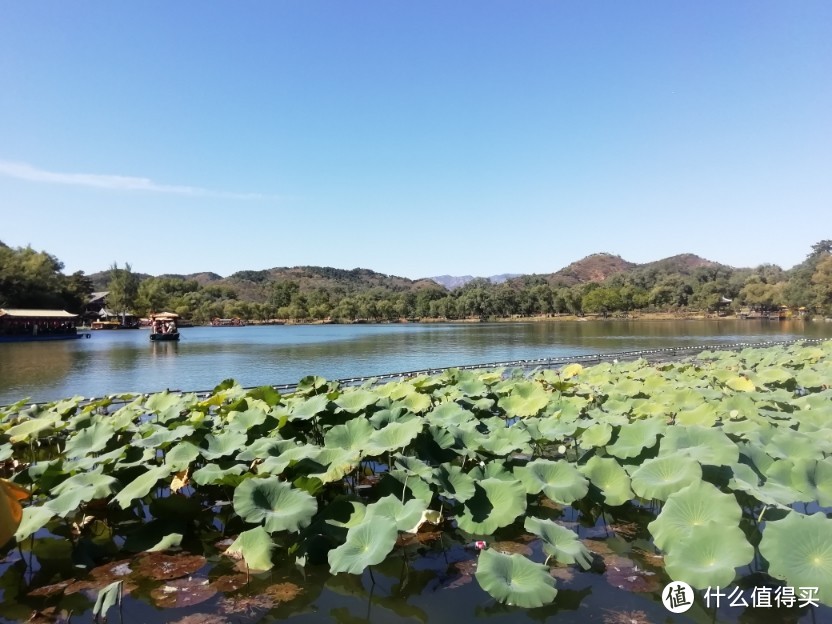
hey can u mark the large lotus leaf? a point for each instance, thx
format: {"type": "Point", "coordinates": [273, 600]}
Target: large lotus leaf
{"type": "Point", "coordinates": [255, 546]}
{"type": "Point", "coordinates": [367, 544]}
{"type": "Point", "coordinates": [406, 516]}
{"type": "Point", "coordinates": [636, 437]}
{"type": "Point", "coordinates": [503, 440]}
{"type": "Point", "coordinates": [32, 521]}
{"type": "Point", "coordinates": [708, 556]}
{"type": "Point", "coordinates": [335, 462]}
{"type": "Point", "coordinates": [596, 435]}
{"type": "Point", "coordinates": [813, 479]}
{"type": "Point", "coordinates": [156, 436]}
{"type": "Point", "coordinates": [224, 444]}
{"type": "Point", "coordinates": [392, 437]}
{"type": "Point", "coordinates": [811, 379]}
{"type": "Point", "coordinates": [659, 477]}
{"type": "Point", "coordinates": [559, 542]}
{"type": "Point", "coordinates": [356, 401]}
{"type": "Point", "coordinates": [141, 486]}
{"type": "Point", "coordinates": [798, 549]}
{"type": "Point", "coordinates": [102, 485]}
{"type": "Point", "coordinates": [627, 388]}
{"type": "Point", "coordinates": [707, 445]}
{"type": "Point", "coordinates": [526, 398]}
{"type": "Point", "coordinates": [180, 456]}
{"type": "Point", "coordinates": [746, 480]}
{"type": "Point", "coordinates": [413, 465]}
{"type": "Point", "coordinates": [417, 402]}
{"type": "Point", "coordinates": [641, 408]}
{"type": "Point", "coordinates": [263, 448]}
{"type": "Point", "coordinates": [453, 483]}
{"type": "Point", "coordinates": [558, 480]}
{"type": "Point", "coordinates": [243, 421]}
{"type": "Point", "coordinates": [399, 482]}
{"type": "Point", "coordinates": [31, 427]}
{"type": "Point", "coordinates": [773, 376]}
{"type": "Point", "coordinates": [213, 474]}
{"type": "Point", "coordinates": [704, 414]}
{"type": "Point", "coordinates": [695, 505]}
{"type": "Point", "coordinates": [515, 580]}
{"type": "Point", "coordinates": [608, 476]}
{"type": "Point", "coordinates": [89, 440]}
{"type": "Point", "coordinates": [275, 503]}
{"type": "Point", "coordinates": [554, 428]}
{"type": "Point", "coordinates": [292, 452]}
{"type": "Point", "coordinates": [496, 503]}
{"type": "Point", "coordinates": [741, 384]}
{"type": "Point", "coordinates": [449, 414]}
{"type": "Point", "coordinates": [790, 444]}
{"type": "Point", "coordinates": [305, 409]}
{"type": "Point", "coordinates": [352, 435]}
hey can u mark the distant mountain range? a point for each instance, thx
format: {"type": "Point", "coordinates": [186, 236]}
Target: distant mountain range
{"type": "Point", "coordinates": [452, 282]}
{"type": "Point", "coordinates": [249, 284]}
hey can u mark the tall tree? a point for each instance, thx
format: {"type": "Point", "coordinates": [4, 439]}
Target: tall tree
{"type": "Point", "coordinates": [124, 289]}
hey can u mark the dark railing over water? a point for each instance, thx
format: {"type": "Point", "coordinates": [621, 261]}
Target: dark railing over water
{"type": "Point", "coordinates": [652, 355]}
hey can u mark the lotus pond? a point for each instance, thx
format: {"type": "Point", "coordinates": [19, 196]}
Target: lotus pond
{"type": "Point", "coordinates": [575, 494]}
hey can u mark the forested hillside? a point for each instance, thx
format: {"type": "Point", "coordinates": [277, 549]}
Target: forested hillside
{"type": "Point", "coordinates": [598, 284]}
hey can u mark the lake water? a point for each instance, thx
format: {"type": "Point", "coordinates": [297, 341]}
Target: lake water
{"type": "Point", "coordinates": [126, 361]}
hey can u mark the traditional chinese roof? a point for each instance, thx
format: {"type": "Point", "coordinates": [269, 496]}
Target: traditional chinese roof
{"type": "Point", "coordinates": [36, 314]}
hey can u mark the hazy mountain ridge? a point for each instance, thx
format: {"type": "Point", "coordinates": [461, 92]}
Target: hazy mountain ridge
{"type": "Point", "coordinates": [452, 282]}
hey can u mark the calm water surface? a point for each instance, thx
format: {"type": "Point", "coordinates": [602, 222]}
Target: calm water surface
{"type": "Point", "coordinates": [126, 361]}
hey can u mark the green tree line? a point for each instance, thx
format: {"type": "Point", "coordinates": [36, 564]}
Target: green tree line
{"type": "Point", "coordinates": [34, 279]}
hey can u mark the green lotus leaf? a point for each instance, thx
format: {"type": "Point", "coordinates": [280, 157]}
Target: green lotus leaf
{"type": "Point", "coordinates": [406, 516]}
{"type": "Point", "coordinates": [708, 556]}
{"type": "Point", "coordinates": [69, 502]}
{"type": "Point", "coordinates": [404, 483]}
{"type": "Point", "coordinates": [558, 480]}
{"type": "Point", "coordinates": [707, 445]}
{"type": "Point", "coordinates": [596, 435]}
{"type": "Point", "coordinates": [559, 542]}
{"type": "Point", "coordinates": [515, 580]}
{"type": "Point", "coordinates": [31, 427]}
{"type": "Point", "coordinates": [453, 483]}
{"type": "Point", "coordinates": [160, 435]}
{"type": "Point", "coordinates": [746, 480]}
{"type": "Point", "coordinates": [367, 544]}
{"type": "Point", "coordinates": [33, 520]}
{"type": "Point", "coordinates": [741, 384]}
{"type": "Point", "coordinates": [336, 463]}
{"type": "Point", "coordinates": [694, 505]}
{"type": "Point", "coordinates": [813, 479]}
{"type": "Point", "coordinates": [790, 444]}
{"type": "Point", "coordinates": [394, 413]}
{"type": "Point", "coordinates": [570, 370]}
{"type": "Point", "coordinates": [659, 477]}
{"type": "Point", "coordinates": [224, 444]}
{"type": "Point", "coordinates": [798, 549]}
{"type": "Point", "coordinates": [141, 486]}
{"type": "Point", "coordinates": [496, 503]}
{"type": "Point", "coordinates": [255, 546]}
{"type": "Point", "coordinates": [627, 387]}
{"type": "Point", "coordinates": [275, 503]}
{"type": "Point", "coordinates": [773, 376]}
{"type": "Point", "coordinates": [356, 401]}
{"type": "Point", "coordinates": [503, 440]}
{"type": "Point", "coordinates": [526, 398]}
{"type": "Point", "coordinates": [169, 541]}
{"type": "Point", "coordinates": [413, 466]}
{"type": "Point", "coordinates": [473, 388]}
{"type": "Point", "coordinates": [417, 402]}
{"type": "Point", "coordinates": [394, 436]}
{"type": "Point", "coordinates": [608, 476]}
{"type": "Point", "coordinates": [449, 414]}
{"type": "Point", "coordinates": [291, 453]}
{"type": "Point", "coordinates": [243, 421]}
{"type": "Point", "coordinates": [635, 438]}
{"type": "Point", "coordinates": [704, 414]}
{"type": "Point", "coordinates": [554, 428]}
{"type": "Point", "coordinates": [263, 448]}
{"type": "Point", "coordinates": [89, 440]}
{"type": "Point", "coordinates": [641, 408]}
{"type": "Point", "coordinates": [181, 456]}
{"type": "Point", "coordinates": [352, 435]}
{"type": "Point", "coordinates": [101, 485]}
{"type": "Point", "coordinates": [811, 380]}
{"type": "Point", "coordinates": [213, 474]}
{"type": "Point", "coordinates": [307, 409]}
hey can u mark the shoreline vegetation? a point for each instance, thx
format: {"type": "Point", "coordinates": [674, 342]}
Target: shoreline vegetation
{"type": "Point", "coordinates": [600, 286]}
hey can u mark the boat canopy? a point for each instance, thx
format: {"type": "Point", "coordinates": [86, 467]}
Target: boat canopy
{"type": "Point", "coordinates": [165, 315]}
{"type": "Point", "coordinates": [22, 314]}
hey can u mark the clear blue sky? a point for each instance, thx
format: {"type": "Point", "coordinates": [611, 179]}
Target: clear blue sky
{"type": "Point", "coordinates": [414, 138]}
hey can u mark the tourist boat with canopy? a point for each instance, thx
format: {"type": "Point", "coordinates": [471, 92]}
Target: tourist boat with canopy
{"type": "Point", "coordinates": [164, 326]}
{"type": "Point", "coordinates": [20, 325]}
